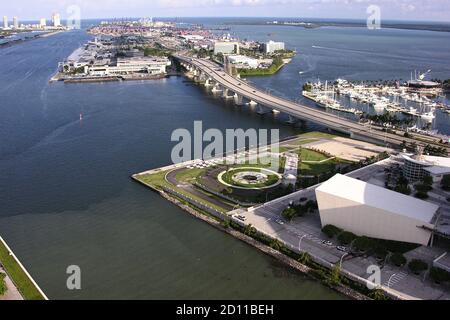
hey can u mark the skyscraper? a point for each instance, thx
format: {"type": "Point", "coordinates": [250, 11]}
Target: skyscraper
{"type": "Point", "coordinates": [5, 22]}
{"type": "Point", "coordinates": [16, 22]}
{"type": "Point", "coordinates": [42, 22]}
{"type": "Point", "coordinates": [56, 19]}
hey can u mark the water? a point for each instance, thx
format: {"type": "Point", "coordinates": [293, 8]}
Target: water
{"type": "Point", "coordinates": [353, 54]}
{"type": "Point", "coordinates": [65, 193]}
{"type": "Point", "coordinates": [66, 197]}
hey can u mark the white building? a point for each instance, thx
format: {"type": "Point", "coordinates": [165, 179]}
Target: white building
{"type": "Point", "coordinates": [16, 22]}
{"type": "Point", "coordinates": [243, 62]}
{"type": "Point", "coordinates": [225, 47]}
{"type": "Point", "coordinates": [149, 65]}
{"type": "Point", "coordinates": [5, 22]}
{"type": "Point", "coordinates": [418, 166]}
{"type": "Point", "coordinates": [56, 20]}
{"type": "Point", "coordinates": [373, 211]}
{"type": "Point", "coordinates": [272, 46]}
{"type": "Point", "coordinates": [42, 23]}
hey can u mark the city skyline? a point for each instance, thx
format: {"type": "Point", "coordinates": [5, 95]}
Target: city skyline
{"type": "Point", "coordinates": [427, 10]}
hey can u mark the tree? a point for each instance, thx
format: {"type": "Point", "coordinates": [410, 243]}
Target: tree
{"type": "Point", "coordinates": [421, 195]}
{"type": "Point", "coordinates": [427, 180]}
{"type": "Point", "coordinates": [377, 294]}
{"type": "Point", "coordinates": [346, 237]}
{"type": "Point", "coordinates": [305, 258]}
{"type": "Point", "coordinates": [446, 183]}
{"type": "Point", "coordinates": [364, 244]}
{"type": "Point", "coordinates": [289, 213]}
{"type": "Point", "coordinates": [3, 287]}
{"type": "Point", "coordinates": [335, 276]}
{"type": "Point", "coordinates": [439, 275]}
{"type": "Point", "coordinates": [417, 266]}
{"type": "Point", "coordinates": [398, 259]}
{"type": "Point", "coordinates": [276, 245]}
{"type": "Point", "coordinates": [331, 230]}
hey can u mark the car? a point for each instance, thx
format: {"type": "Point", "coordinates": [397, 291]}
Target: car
{"type": "Point", "coordinates": [280, 222]}
{"type": "Point", "coordinates": [342, 249]}
{"type": "Point", "coordinates": [327, 243]}
{"type": "Point", "coordinates": [254, 91]}
{"type": "Point", "coordinates": [241, 217]}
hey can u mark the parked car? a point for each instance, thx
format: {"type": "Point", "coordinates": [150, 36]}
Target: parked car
{"type": "Point", "coordinates": [327, 243]}
{"type": "Point", "coordinates": [342, 249]}
{"type": "Point", "coordinates": [280, 222]}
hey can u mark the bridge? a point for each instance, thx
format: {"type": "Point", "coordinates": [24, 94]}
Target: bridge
{"type": "Point", "coordinates": [231, 87]}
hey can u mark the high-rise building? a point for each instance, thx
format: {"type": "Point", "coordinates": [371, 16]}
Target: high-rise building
{"type": "Point", "coordinates": [5, 22]}
{"type": "Point", "coordinates": [16, 22]}
{"type": "Point", "coordinates": [42, 22]}
{"type": "Point", "coordinates": [272, 46]}
{"type": "Point", "coordinates": [56, 20]}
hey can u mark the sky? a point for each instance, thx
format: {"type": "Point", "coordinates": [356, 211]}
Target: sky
{"type": "Point", "coordinates": [428, 10]}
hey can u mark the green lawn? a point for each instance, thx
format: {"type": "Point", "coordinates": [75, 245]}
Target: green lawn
{"type": "Point", "coordinates": [310, 155]}
{"type": "Point", "coordinates": [25, 286]}
{"type": "Point", "coordinates": [189, 175]}
{"type": "Point", "coordinates": [158, 181]}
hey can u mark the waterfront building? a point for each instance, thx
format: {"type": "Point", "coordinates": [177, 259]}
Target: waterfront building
{"type": "Point", "coordinates": [42, 23]}
{"type": "Point", "coordinates": [272, 46]}
{"type": "Point", "coordinates": [5, 22]}
{"type": "Point", "coordinates": [369, 210]}
{"type": "Point", "coordinates": [416, 167]}
{"type": "Point", "coordinates": [56, 20]}
{"type": "Point", "coordinates": [226, 47]}
{"type": "Point", "coordinates": [124, 66]}
{"type": "Point", "coordinates": [243, 62]}
{"type": "Point", "coordinates": [16, 23]}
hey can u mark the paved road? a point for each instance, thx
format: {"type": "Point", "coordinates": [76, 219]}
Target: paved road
{"type": "Point", "coordinates": [242, 88]}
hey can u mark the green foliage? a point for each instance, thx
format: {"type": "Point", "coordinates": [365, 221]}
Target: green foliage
{"type": "Point", "coordinates": [439, 275]}
{"type": "Point", "coordinates": [334, 277]}
{"type": "Point", "coordinates": [421, 195]}
{"type": "Point", "coordinates": [346, 237]}
{"type": "Point", "coordinates": [417, 266]}
{"type": "Point", "coordinates": [427, 181]}
{"type": "Point", "coordinates": [398, 259]}
{"type": "Point", "coordinates": [3, 287]}
{"type": "Point", "coordinates": [364, 244]}
{"type": "Point", "coordinates": [377, 294]}
{"type": "Point", "coordinates": [331, 230]}
{"type": "Point", "coordinates": [276, 245]}
{"type": "Point", "coordinates": [305, 258]}
{"type": "Point", "coordinates": [307, 87]}
{"type": "Point", "coordinates": [289, 213]}
{"type": "Point", "coordinates": [403, 188]}
{"type": "Point", "coordinates": [445, 183]}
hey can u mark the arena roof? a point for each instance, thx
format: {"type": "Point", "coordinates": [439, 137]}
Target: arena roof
{"type": "Point", "coordinates": [374, 196]}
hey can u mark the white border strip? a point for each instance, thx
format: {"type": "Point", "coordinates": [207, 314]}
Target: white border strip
{"type": "Point", "coordinates": [24, 270]}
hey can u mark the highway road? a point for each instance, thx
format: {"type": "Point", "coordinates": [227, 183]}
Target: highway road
{"type": "Point", "coordinates": [240, 87]}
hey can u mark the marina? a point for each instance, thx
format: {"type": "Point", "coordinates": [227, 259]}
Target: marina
{"type": "Point", "coordinates": [417, 111]}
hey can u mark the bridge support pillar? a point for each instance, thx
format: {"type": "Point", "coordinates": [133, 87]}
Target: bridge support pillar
{"type": "Point", "coordinates": [226, 94]}
{"type": "Point", "coordinates": [275, 111]}
{"type": "Point", "coordinates": [238, 99]}
{"type": "Point", "coordinates": [261, 110]}
{"type": "Point", "coordinates": [292, 120]}
{"type": "Point", "coordinates": [208, 82]}
{"type": "Point", "coordinates": [253, 103]}
{"type": "Point", "coordinates": [217, 88]}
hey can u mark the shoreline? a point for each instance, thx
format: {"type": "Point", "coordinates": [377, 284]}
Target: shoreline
{"type": "Point", "coordinates": [279, 256]}
{"type": "Point", "coordinates": [21, 278]}
{"type": "Point", "coordinates": [19, 41]}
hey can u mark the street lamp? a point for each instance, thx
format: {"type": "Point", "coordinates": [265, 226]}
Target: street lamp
{"type": "Point", "coordinates": [342, 259]}
{"type": "Point", "coordinates": [300, 242]}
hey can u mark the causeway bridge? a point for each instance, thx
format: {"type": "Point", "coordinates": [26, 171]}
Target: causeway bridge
{"type": "Point", "coordinates": [231, 87]}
